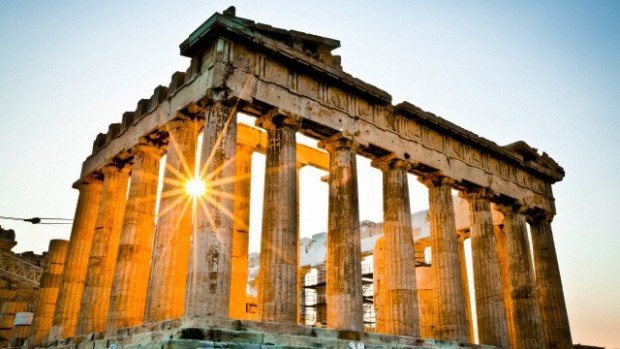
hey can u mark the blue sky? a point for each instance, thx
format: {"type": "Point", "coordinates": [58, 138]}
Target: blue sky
{"type": "Point", "coordinates": [546, 73]}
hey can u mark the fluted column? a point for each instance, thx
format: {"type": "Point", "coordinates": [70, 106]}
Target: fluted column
{"type": "Point", "coordinates": [426, 303]}
{"type": "Point", "coordinates": [166, 292]}
{"type": "Point", "coordinates": [48, 292]}
{"type": "Point", "coordinates": [490, 310]}
{"type": "Point", "coordinates": [450, 321]}
{"type": "Point", "coordinates": [208, 289]}
{"type": "Point", "coordinates": [549, 284]}
{"type": "Point", "coordinates": [7, 320]}
{"type": "Point", "coordinates": [461, 237]}
{"type": "Point", "coordinates": [344, 270]}
{"type": "Point", "coordinates": [241, 228]}
{"type": "Point", "coordinates": [21, 329]}
{"type": "Point", "coordinates": [400, 301]}
{"type": "Point", "coordinates": [424, 286]}
{"type": "Point", "coordinates": [502, 256]}
{"type": "Point", "coordinates": [300, 275]}
{"type": "Point", "coordinates": [6, 294]}
{"type": "Point", "coordinates": [378, 281]}
{"type": "Point", "coordinates": [277, 295]}
{"type": "Point", "coordinates": [76, 262]}
{"type": "Point", "coordinates": [524, 308]}
{"type": "Point", "coordinates": [131, 276]}
{"type": "Point", "coordinates": [102, 260]}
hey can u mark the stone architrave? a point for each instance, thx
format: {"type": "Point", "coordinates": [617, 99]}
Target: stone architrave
{"type": "Point", "coordinates": [450, 319]}
{"type": "Point", "coordinates": [344, 270]}
{"type": "Point", "coordinates": [76, 262]}
{"type": "Point", "coordinates": [131, 277]}
{"type": "Point", "coordinates": [102, 260]}
{"type": "Point", "coordinates": [490, 309]}
{"type": "Point", "coordinates": [549, 284]}
{"type": "Point", "coordinates": [241, 227]}
{"type": "Point", "coordinates": [277, 294]}
{"type": "Point", "coordinates": [48, 292]}
{"type": "Point", "coordinates": [208, 280]}
{"type": "Point", "coordinates": [171, 246]}
{"type": "Point", "coordinates": [527, 326]}
{"type": "Point", "coordinates": [398, 289]}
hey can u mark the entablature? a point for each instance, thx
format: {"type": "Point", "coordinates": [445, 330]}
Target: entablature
{"type": "Point", "coordinates": [232, 60]}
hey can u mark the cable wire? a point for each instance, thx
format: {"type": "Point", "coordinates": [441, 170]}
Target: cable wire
{"type": "Point", "coordinates": [38, 220]}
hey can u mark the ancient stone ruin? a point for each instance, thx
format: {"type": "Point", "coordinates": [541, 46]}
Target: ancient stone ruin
{"type": "Point", "coordinates": [182, 281]}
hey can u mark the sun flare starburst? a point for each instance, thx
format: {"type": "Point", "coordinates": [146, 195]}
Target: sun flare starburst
{"type": "Point", "coordinates": [195, 187]}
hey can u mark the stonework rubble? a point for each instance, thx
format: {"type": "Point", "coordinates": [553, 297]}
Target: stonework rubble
{"type": "Point", "coordinates": [198, 248]}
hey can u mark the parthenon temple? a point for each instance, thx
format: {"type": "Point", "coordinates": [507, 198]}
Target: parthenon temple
{"type": "Point", "coordinates": [152, 270]}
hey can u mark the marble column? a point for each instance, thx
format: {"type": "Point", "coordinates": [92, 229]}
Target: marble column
{"type": "Point", "coordinates": [48, 292]}
{"type": "Point", "coordinates": [490, 310]}
{"type": "Point", "coordinates": [277, 295]}
{"type": "Point", "coordinates": [76, 262]}
{"type": "Point", "coordinates": [241, 229]}
{"type": "Point", "coordinates": [526, 322]}
{"type": "Point", "coordinates": [133, 263]}
{"type": "Point", "coordinates": [378, 281]}
{"type": "Point", "coordinates": [21, 329]}
{"type": "Point", "coordinates": [7, 320]}
{"type": "Point", "coordinates": [450, 320]}
{"type": "Point", "coordinates": [6, 294]}
{"type": "Point", "coordinates": [344, 270]}
{"type": "Point", "coordinates": [424, 286]}
{"type": "Point", "coordinates": [500, 239]}
{"type": "Point", "coordinates": [208, 289]}
{"type": "Point", "coordinates": [426, 303]}
{"type": "Point", "coordinates": [300, 275]}
{"type": "Point", "coordinates": [171, 245]}
{"type": "Point", "coordinates": [400, 301]}
{"type": "Point", "coordinates": [549, 284]}
{"type": "Point", "coordinates": [102, 260]}
{"type": "Point", "coordinates": [461, 237]}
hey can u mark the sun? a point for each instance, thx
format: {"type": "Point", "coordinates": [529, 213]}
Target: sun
{"type": "Point", "coordinates": [195, 187]}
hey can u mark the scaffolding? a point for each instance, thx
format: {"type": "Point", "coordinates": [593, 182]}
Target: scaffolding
{"type": "Point", "coordinates": [313, 303]}
{"type": "Point", "coordinates": [368, 295]}
{"type": "Point", "coordinates": [19, 271]}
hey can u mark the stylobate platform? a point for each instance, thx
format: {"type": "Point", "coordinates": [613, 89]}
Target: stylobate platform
{"type": "Point", "coordinates": [194, 333]}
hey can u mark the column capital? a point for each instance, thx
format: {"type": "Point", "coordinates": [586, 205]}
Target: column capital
{"type": "Point", "coordinates": [462, 235]}
{"type": "Point", "coordinates": [182, 120]}
{"type": "Point", "coordinates": [245, 149]}
{"type": "Point", "coordinates": [278, 118]}
{"type": "Point", "coordinates": [220, 98]}
{"type": "Point", "coordinates": [435, 179]}
{"type": "Point", "coordinates": [477, 193]}
{"type": "Point", "coordinates": [147, 148]}
{"type": "Point", "coordinates": [112, 169]}
{"type": "Point", "coordinates": [88, 183]}
{"type": "Point", "coordinates": [390, 162]}
{"type": "Point", "coordinates": [537, 215]}
{"type": "Point", "coordinates": [514, 207]}
{"type": "Point", "coordinates": [300, 165]}
{"type": "Point", "coordinates": [339, 140]}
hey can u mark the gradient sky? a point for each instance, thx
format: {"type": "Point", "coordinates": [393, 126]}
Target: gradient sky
{"type": "Point", "coordinates": [547, 73]}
